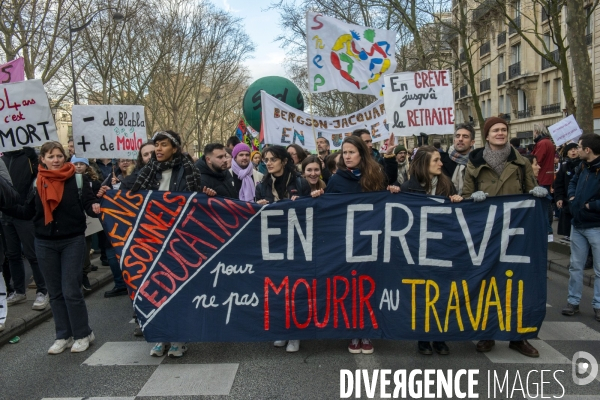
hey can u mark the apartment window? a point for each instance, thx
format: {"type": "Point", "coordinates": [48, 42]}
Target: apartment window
{"type": "Point", "coordinates": [522, 100]}
{"type": "Point", "coordinates": [489, 107]}
{"type": "Point", "coordinates": [589, 23]}
{"type": "Point", "coordinates": [549, 42]}
{"type": "Point", "coordinates": [501, 64]}
{"type": "Point", "coordinates": [508, 105]}
{"type": "Point", "coordinates": [501, 104]}
{"type": "Point", "coordinates": [483, 113]}
{"type": "Point", "coordinates": [546, 93]}
{"type": "Point", "coordinates": [515, 53]}
{"type": "Point", "coordinates": [517, 7]}
{"type": "Point", "coordinates": [557, 92]}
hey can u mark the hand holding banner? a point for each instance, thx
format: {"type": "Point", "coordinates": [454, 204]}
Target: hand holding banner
{"type": "Point", "coordinates": [25, 116]}
{"type": "Point", "coordinates": [107, 131]}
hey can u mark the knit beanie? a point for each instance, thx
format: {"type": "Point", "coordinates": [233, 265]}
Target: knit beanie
{"type": "Point", "coordinates": [491, 122]}
{"type": "Point", "coordinates": [399, 148]}
{"type": "Point", "coordinates": [78, 159]}
{"type": "Point", "coordinates": [255, 152]}
{"type": "Point", "coordinates": [569, 147]}
{"type": "Point", "coordinates": [239, 148]}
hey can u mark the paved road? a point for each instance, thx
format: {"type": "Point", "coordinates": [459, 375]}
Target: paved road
{"type": "Point", "coordinates": [118, 365]}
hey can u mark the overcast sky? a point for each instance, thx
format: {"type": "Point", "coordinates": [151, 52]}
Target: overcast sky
{"type": "Point", "coordinates": [263, 28]}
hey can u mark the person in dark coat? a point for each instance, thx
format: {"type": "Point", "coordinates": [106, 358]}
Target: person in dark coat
{"type": "Point", "coordinates": [561, 187]}
{"type": "Point", "coordinates": [357, 172]}
{"type": "Point", "coordinates": [143, 158]}
{"type": "Point", "coordinates": [427, 178]}
{"type": "Point", "coordinates": [456, 159]}
{"type": "Point", "coordinates": [282, 181]}
{"type": "Point", "coordinates": [214, 171]}
{"type": "Point", "coordinates": [58, 212]}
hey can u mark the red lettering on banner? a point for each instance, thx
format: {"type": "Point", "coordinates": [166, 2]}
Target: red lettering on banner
{"type": "Point", "coordinates": [364, 300]}
{"type": "Point", "coordinates": [190, 217]}
{"type": "Point", "coordinates": [175, 254]}
{"type": "Point", "coordinates": [151, 297]}
{"type": "Point", "coordinates": [354, 300]}
{"type": "Point", "coordinates": [340, 301]}
{"type": "Point", "coordinates": [425, 79]}
{"type": "Point", "coordinates": [239, 210]}
{"type": "Point", "coordinates": [213, 200]}
{"type": "Point", "coordinates": [430, 117]}
{"type": "Point", "coordinates": [284, 284]}
{"type": "Point", "coordinates": [172, 274]}
{"type": "Point", "coordinates": [308, 297]}
{"type": "Point", "coordinates": [314, 300]}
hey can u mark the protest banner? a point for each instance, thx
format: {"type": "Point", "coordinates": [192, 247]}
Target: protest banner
{"type": "Point", "coordinates": [349, 58]}
{"type": "Point", "coordinates": [108, 131]}
{"type": "Point", "coordinates": [284, 125]}
{"type": "Point", "coordinates": [375, 265]}
{"type": "Point", "coordinates": [419, 102]}
{"type": "Point", "coordinates": [25, 115]}
{"type": "Point", "coordinates": [565, 130]}
{"type": "Point", "coordinates": [12, 71]}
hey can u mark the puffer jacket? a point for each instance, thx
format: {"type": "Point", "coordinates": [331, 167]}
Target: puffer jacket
{"type": "Point", "coordinates": [585, 187]}
{"type": "Point", "coordinates": [480, 176]}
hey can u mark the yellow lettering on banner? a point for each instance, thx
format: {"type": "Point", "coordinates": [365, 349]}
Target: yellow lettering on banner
{"type": "Point", "coordinates": [453, 307]}
{"type": "Point", "coordinates": [508, 302]}
{"type": "Point", "coordinates": [414, 283]}
{"type": "Point", "coordinates": [474, 321]}
{"type": "Point", "coordinates": [431, 304]}
{"type": "Point", "coordinates": [520, 328]}
{"type": "Point", "coordinates": [493, 288]}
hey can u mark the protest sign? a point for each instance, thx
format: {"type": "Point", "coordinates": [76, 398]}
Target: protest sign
{"type": "Point", "coordinates": [376, 265]}
{"type": "Point", "coordinates": [108, 131]}
{"type": "Point", "coordinates": [284, 125]}
{"type": "Point", "coordinates": [565, 130]}
{"type": "Point", "coordinates": [347, 57]}
{"type": "Point", "coordinates": [25, 116]}
{"type": "Point", "coordinates": [419, 102]}
{"type": "Point", "coordinates": [12, 71]}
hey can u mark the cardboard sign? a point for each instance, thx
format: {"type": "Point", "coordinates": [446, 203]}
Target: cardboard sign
{"type": "Point", "coordinates": [108, 131]}
{"type": "Point", "coordinates": [419, 102]}
{"type": "Point", "coordinates": [349, 58]}
{"type": "Point", "coordinates": [284, 125]}
{"type": "Point", "coordinates": [93, 225]}
{"type": "Point", "coordinates": [565, 130]}
{"type": "Point", "coordinates": [25, 115]}
{"type": "Point", "coordinates": [13, 71]}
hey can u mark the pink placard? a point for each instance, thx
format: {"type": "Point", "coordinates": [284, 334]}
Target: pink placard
{"type": "Point", "coordinates": [13, 71]}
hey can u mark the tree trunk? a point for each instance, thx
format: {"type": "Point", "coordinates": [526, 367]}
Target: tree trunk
{"type": "Point", "coordinates": [582, 70]}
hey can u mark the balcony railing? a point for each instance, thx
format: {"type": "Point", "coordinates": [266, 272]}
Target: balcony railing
{"type": "Point", "coordinates": [505, 117]}
{"type": "Point", "coordinates": [501, 78]}
{"type": "Point", "coordinates": [484, 49]}
{"type": "Point", "coordinates": [547, 64]}
{"type": "Point", "coordinates": [529, 112]}
{"type": "Point", "coordinates": [512, 28]}
{"type": "Point", "coordinates": [551, 109]}
{"type": "Point", "coordinates": [484, 8]}
{"type": "Point", "coordinates": [484, 85]}
{"type": "Point", "coordinates": [514, 70]}
{"type": "Point", "coordinates": [501, 38]}
{"type": "Point", "coordinates": [588, 39]}
{"type": "Point", "coordinates": [463, 91]}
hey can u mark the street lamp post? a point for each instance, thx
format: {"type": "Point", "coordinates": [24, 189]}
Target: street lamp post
{"type": "Point", "coordinates": [116, 16]}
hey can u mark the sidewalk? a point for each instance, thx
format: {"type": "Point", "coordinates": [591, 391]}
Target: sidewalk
{"type": "Point", "coordinates": [21, 317]}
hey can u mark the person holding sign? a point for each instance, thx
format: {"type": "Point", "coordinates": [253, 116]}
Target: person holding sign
{"type": "Point", "coordinates": [358, 172]}
{"type": "Point", "coordinates": [281, 182]}
{"type": "Point", "coordinates": [494, 170]}
{"type": "Point", "coordinates": [58, 207]}
{"type": "Point", "coordinates": [427, 178]}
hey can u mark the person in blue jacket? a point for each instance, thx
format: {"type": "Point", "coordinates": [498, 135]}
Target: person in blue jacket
{"type": "Point", "coordinates": [584, 198]}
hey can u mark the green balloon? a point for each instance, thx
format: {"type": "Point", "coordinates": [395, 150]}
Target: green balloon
{"type": "Point", "coordinates": [277, 86]}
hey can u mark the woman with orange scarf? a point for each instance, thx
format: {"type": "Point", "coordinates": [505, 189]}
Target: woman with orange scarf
{"type": "Point", "coordinates": [58, 212]}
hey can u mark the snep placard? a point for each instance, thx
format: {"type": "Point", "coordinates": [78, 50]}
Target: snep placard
{"type": "Point", "coordinates": [107, 131]}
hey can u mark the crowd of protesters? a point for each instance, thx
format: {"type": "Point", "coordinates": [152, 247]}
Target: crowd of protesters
{"type": "Point", "coordinates": [41, 193]}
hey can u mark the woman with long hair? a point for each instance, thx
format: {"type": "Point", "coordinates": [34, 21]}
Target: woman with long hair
{"type": "Point", "coordinates": [282, 181]}
{"type": "Point", "coordinates": [144, 155]}
{"type": "Point", "coordinates": [426, 178]}
{"type": "Point", "coordinates": [311, 170]}
{"type": "Point", "coordinates": [357, 172]}
{"type": "Point", "coordinates": [58, 212]}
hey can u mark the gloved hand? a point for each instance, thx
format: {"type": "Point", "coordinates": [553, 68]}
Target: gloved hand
{"type": "Point", "coordinates": [539, 191]}
{"type": "Point", "coordinates": [479, 196]}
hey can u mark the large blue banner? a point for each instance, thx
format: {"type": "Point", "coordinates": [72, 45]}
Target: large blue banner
{"type": "Point", "coordinates": [376, 265]}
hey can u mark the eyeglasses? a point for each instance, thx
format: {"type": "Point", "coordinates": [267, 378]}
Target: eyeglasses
{"type": "Point", "coordinates": [270, 160]}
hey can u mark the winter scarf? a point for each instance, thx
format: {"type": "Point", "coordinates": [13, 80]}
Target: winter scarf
{"type": "Point", "coordinates": [402, 169]}
{"type": "Point", "coordinates": [248, 190]}
{"type": "Point", "coordinates": [51, 186]}
{"type": "Point", "coordinates": [147, 178]}
{"type": "Point", "coordinates": [458, 178]}
{"type": "Point", "coordinates": [496, 159]}
{"type": "Point", "coordinates": [279, 186]}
